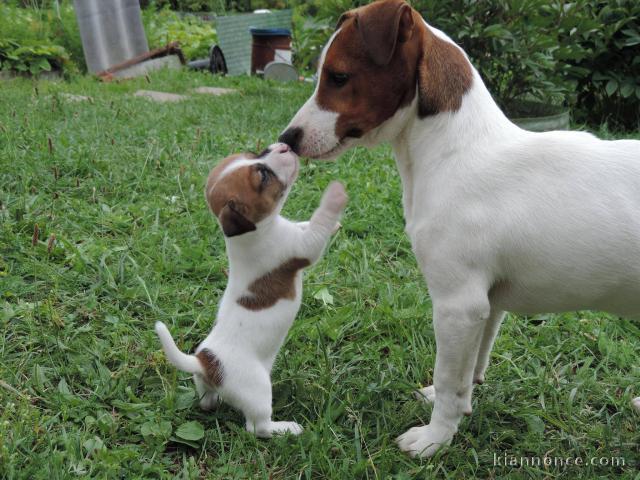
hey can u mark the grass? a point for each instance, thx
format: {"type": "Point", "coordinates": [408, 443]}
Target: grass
{"type": "Point", "coordinates": [86, 392]}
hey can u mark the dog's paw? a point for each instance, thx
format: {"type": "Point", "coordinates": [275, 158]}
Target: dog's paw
{"type": "Point", "coordinates": [277, 428]}
{"type": "Point", "coordinates": [426, 394]}
{"type": "Point", "coordinates": [424, 441]}
{"type": "Point", "coordinates": [636, 404]}
{"type": "Point", "coordinates": [209, 401]}
{"type": "Point", "coordinates": [335, 197]}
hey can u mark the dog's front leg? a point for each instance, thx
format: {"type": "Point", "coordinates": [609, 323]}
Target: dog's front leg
{"type": "Point", "coordinates": [459, 318]}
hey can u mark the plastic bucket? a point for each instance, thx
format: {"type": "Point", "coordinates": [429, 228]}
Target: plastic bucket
{"type": "Point", "coordinates": [268, 45]}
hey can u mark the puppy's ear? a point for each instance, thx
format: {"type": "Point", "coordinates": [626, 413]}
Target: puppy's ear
{"type": "Point", "coordinates": [233, 222]}
{"type": "Point", "coordinates": [382, 25]}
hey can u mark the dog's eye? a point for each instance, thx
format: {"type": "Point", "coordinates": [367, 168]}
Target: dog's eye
{"type": "Point", "coordinates": [338, 79]}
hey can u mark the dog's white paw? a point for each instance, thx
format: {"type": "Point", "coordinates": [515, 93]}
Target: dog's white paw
{"type": "Point", "coordinates": [426, 394]}
{"type": "Point", "coordinates": [335, 197]}
{"type": "Point", "coordinates": [277, 428]}
{"type": "Point", "coordinates": [636, 404]}
{"type": "Point", "coordinates": [209, 401]}
{"type": "Point", "coordinates": [424, 441]}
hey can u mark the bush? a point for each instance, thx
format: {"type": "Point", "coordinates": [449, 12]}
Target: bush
{"type": "Point", "coordinates": [35, 40]}
{"type": "Point", "coordinates": [601, 42]}
{"type": "Point", "coordinates": [194, 35]}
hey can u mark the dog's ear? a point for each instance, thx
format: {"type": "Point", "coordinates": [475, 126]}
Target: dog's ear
{"type": "Point", "coordinates": [233, 222]}
{"type": "Point", "coordinates": [345, 16]}
{"type": "Point", "coordinates": [382, 25]}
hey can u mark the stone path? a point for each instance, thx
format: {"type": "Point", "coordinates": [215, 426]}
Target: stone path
{"type": "Point", "coordinates": [160, 96]}
{"type": "Point", "coordinates": [174, 97]}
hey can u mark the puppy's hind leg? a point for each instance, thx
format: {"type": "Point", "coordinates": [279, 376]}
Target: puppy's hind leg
{"type": "Point", "coordinates": [252, 395]}
{"type": "Point", "coordinates": [208, 397]}
{"type": "Point", "coordinates": [636, 404]}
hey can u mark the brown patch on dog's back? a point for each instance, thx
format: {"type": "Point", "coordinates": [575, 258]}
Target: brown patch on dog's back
{"type": "Point", "coordinates": [212, 367]}
{"type": "Point", "coordinates": [274, 285]}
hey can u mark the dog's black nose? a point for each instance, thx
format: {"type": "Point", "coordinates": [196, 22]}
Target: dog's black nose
{"type": "Point", "coordinates": [292, 137]}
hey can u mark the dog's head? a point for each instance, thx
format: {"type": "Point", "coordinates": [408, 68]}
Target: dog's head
{"type": "Point", "coordinates": [246, 189]}
{"type": "Point", "coordinates": [379, 58]}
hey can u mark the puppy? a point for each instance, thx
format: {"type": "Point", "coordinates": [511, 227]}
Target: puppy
{"type": "Point", "coordinates": [267, 254]}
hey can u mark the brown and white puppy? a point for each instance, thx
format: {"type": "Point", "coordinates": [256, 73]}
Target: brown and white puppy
{"type": "Point", "coordinates": [500, 219]}
{"type": "Point", "coordinates": [266, 256]}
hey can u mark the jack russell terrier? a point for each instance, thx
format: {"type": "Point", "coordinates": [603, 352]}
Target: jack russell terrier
{"type": "Point", "coordinates": [266, 256]}
{"type": "Point", "coordinates": [500, 219]}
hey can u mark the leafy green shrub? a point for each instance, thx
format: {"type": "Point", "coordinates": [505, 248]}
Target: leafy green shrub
{"type": "Point", "coordinates": [31, 59]}
{"type": "Point", "coordinates": [195, 35]}
{"type": "Point", "coordinates": [34, 40]}
{"type": "Point", "coordinates": [600, 40]}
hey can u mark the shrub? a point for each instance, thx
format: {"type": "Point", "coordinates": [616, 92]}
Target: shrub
{"type": "Point", "coordinates": [601, 42]}
{"type": "Point", "coordinates": [195, 35]}
{"type": "Point", "coordinates": [35, 40]}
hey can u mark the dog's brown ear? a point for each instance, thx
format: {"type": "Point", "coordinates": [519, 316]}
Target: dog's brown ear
{"type": "Point", "coordinates": [345, 16]}
{"type": "Point", "coordinates": [382, 25]}
{"type": "Point", "coordinates": [233, 222]}
{"type": "Point", "coordinates": [444, 76]}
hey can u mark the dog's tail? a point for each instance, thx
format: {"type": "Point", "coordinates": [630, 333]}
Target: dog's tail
{"type": "Point", "coordinates": [182, 361]}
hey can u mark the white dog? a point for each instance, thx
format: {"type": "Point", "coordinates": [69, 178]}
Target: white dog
{"type": "Point", "coordinates": [500, 219]}
{"type": "Point", "coordinates": [266, 256]}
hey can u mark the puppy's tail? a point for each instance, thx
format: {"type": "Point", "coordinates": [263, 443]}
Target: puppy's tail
{"type": "Point", "coordinates": [182, 361]}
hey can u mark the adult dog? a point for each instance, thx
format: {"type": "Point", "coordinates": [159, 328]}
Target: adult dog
{"type": "Point", "coordinates": [500, 219]}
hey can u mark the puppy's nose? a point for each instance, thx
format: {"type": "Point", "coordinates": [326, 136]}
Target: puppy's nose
{"type": "Point", "coordinates": [280, 148]}
{"type": "Point", "coordinates": [292, 137]}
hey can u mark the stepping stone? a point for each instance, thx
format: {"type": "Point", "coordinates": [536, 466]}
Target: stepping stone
{"type": "Point", "coordinates": [160, 96]}
{"type": "Point", "coordinates": [214, 90]}
{"type": "Point", "coordinates": [71, 97]}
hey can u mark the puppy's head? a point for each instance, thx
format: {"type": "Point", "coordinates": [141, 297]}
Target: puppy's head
{"type": "Point", "coordinates": [246, 189]}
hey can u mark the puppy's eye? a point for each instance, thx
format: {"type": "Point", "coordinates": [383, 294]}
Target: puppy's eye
{"type": "Point", "coordinates": [338, 79]}
{"type": "Point", "coordinates": [265, 173]}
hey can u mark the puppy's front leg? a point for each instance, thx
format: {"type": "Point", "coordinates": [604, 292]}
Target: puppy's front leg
{"type": "Point", "coordinates": [459, 319]}
{"type": "Point", "coordinates": [324, 222]}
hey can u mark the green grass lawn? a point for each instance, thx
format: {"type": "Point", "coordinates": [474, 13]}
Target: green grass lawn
{"type": "Point", "coordinates": [86, 392]}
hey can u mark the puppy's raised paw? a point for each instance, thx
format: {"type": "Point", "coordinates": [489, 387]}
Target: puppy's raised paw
{"type": "Point", "coordinates": [335, 197]}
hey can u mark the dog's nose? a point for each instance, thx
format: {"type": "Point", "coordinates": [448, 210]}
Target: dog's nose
{"type": "Point", "coordinates": [292, 137]}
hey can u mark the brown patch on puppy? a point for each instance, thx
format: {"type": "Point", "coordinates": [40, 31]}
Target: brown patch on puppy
{"type": "Point", "coordinates": [273, 285]}
{"type": "Point", "coordinates": [244, 196]}
{"type": "Point", "coordinates": [212, 367]}
{"type": "Point", "coordinates": [371, 69]}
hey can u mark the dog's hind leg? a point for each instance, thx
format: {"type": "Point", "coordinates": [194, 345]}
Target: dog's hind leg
{"type": "Point", "coordinates": [251, 393]}
{"type": "Point", "coordinates": [636, 404]}
{"type": "Point", "coordinates": [208, 398]}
